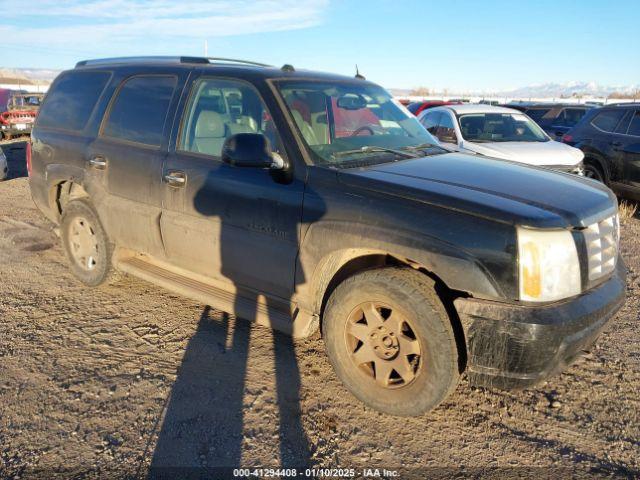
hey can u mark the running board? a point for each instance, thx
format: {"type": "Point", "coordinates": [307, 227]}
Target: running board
{"type": "Point", "coordinates": [277, 314]}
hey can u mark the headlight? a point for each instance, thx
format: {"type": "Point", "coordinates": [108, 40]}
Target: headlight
{"type": "Point", "coordinates": [548, 265]}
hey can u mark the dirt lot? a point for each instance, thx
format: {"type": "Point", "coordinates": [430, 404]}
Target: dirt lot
{"type": "Point", "coordinates": [125, 378]}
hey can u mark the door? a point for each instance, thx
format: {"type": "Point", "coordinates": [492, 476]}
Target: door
{"type": "Point", "coordinates": [608, 137]}
{"type": "Point", "coordinates": [127, 159]}
{"type": "Point", "coordinates": [234, 224]}
{"type": "Point", "coordinates": [629, 146]}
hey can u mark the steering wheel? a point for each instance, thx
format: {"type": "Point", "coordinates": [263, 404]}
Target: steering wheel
{"type": "Point", "coordinates": [358, 131]}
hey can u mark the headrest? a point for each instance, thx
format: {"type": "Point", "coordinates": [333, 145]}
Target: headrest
{"type": "Point", "coordinates": [209, 124]}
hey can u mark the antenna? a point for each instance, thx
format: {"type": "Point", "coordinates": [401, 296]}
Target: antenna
{"type": "Point", "coordinates": [358, 76]}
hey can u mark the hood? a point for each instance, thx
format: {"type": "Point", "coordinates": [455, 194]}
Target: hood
{"type": "Point", "coordinates": [498, 190]}
{"type": "Point", "coordinates": [549, 153]}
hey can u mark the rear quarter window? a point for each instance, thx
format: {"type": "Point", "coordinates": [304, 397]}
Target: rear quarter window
{"type": "Point", "coordinates": [71, 100]}
{"type": "Point", "coordinates": [634, 127]}
{"type": "Point", "coordinates": [608, 119]}
{"type": "Point", "coordinates": [139, 111]}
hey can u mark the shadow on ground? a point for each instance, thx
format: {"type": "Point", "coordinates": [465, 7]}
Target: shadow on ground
{"type": "Point", "coordinates": [201, 434]}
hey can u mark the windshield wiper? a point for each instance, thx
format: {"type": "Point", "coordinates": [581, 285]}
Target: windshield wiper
{"type": "Point", "coordinates": [373, 149]}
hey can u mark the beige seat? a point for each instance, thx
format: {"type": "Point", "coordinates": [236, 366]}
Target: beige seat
{"type": "Point", "coordinates": [306, 130]}
{"type": "Point", "coordinates": [210, 133]}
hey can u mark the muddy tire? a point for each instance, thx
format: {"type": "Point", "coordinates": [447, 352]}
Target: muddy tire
{"type": "Point", "coordinates": [391, 341]}
{"type": "Point", "coordinates": [86, 243]}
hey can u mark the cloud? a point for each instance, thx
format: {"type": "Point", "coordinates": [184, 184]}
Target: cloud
{"type": "Point", "coordinates": [94, 24]}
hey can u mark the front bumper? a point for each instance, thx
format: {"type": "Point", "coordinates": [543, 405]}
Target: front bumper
{"type": "Point", "coordinates": [515, 346]}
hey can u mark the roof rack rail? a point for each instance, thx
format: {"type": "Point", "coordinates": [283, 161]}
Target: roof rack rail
{"type": "Point", "coordinates": [166, 59]}
{"type": "Point", "coordinates": [235, 60]}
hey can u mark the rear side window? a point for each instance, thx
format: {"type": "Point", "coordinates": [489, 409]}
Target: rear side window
{"type": "Point", "coordinates": [634, 127]}
{"type": "Point", "coordinates": [71, 101]}
{"type": "Point", "coordinates": [140, 108]}
{"type": "Point", "coordinates": [608, 119]}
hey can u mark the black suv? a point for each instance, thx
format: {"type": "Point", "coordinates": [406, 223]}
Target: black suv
{"type": "Point", "coordinates": [610, 139]}
{"type": "Point", "coordinates": [304, 200]}
{"type": "Point", "coordinates": [555, 119]}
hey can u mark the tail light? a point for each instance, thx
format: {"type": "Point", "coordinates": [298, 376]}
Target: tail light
{"type": "Point", "coordinates": [566, 138]}
{"type": "Point", "coordinates": [29, 158]}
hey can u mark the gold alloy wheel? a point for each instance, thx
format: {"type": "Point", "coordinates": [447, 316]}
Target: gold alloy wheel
{"type": "Point", "coordinates": [383, 345]}
{"type": "Point", "coordinates": [83, 243]}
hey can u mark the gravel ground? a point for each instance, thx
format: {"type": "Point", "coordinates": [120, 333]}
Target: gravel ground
{"type": "Point", "coordinates": [129, 380]}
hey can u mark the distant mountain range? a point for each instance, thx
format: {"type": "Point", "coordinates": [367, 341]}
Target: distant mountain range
{"type": "Point", "coordinates": [570, 89]}
{"type": "Point", "coordinates": [28, 76]}
{"type": "Point", "coordinates": [541, 90]}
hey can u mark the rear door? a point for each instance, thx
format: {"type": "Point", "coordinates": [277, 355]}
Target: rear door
{"type": "Point", "coordinates": [608, 137]}
{"type": "Point", "coordinates": [127, 157]}
{"type": "Point", "coordinates": [234, 224]}
{"type": "Point", "coordinates": [629, 145]}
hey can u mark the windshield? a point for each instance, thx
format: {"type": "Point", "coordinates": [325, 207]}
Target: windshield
{"type": "Point", "coordinates": [343, 122]}
{"type": "Point", "coordinates": [500, 127]}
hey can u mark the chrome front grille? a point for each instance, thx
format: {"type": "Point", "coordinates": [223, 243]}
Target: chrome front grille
{"type": "Point", "coordinates": [602, 240]}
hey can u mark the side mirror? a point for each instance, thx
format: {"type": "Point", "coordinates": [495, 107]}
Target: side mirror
{"type": "Point", "coordinates": [250, 150]}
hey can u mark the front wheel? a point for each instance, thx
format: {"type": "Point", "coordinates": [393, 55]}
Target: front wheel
{"type": "Point", "coordinates": [391, 342]}
{"type": "Point", "coordinates": [594, 172]}
{"type": "Point", "coordinates": [86, 243]}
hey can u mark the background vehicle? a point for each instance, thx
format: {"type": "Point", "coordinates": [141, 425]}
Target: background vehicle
{"type": "Point", "coordinates": [303, 200]}
{"type": "Point", "coordinates": [18, 110]}
{"type": "Point", "coordinates": [500, 133]}
{"type": "Point", "coordinates": [418, 107]}
{"type": "Point", "coordinates": [610, 139]}
{"type": "Point", "coordinates": [4, 169]}
{"type": "Point", "coordinates": [555, 119]}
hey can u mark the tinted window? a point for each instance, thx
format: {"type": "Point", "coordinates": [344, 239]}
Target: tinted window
{"type": "Point", "coordinates": [571, 116]}
{"type": "Point", "coordinates": [608, 119]}
{"type": "Point", "coordinates": [537, 113]}
{"type": "Point", "coordinates": [139, 111]}
{"type": "Point", "coordinates": [221, 108]}
{"type": "Point", "coordinates": [71, 100]}
{"type": "Point", "coordinates": [500, 127]}
{"type": "Point", "coordinates": [634, 127]}
{"type": "Point", "coordinates": [430, 121]}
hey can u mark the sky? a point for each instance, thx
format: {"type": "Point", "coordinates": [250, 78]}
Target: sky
{"type": "Point", "coordinates": [462, 45]}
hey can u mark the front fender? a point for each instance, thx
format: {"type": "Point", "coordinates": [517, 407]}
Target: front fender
{"type": "Point", "coordinates": [328, 245]}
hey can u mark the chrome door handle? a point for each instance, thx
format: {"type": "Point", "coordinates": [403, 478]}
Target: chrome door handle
{"type": "Point", "coordinates": [175, 178]}
{"type": "Point", "coordinates": [99, 162]}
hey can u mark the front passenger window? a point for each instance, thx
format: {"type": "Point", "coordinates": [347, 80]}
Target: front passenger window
{"type": "Point", "coordinates": [219, 109]}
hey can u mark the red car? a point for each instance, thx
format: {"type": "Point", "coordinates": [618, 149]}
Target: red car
{"type": "Point", "coordinates": [417, 107]}
{"type": "Point", "coordinates": [18, 111]}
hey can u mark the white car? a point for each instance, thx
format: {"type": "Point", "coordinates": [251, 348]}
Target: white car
{"type": "Point", "coordinates": [4, 169]}
{"type": "Point", "coordinates": [499, 132]}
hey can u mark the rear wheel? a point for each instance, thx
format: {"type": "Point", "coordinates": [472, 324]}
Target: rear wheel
{"type": "Point", "coordinates": [391, 342]}
{"type": "Point", "coordinates": [593, 171]}
{"type": "Point", "coordinates": [86, 243]}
